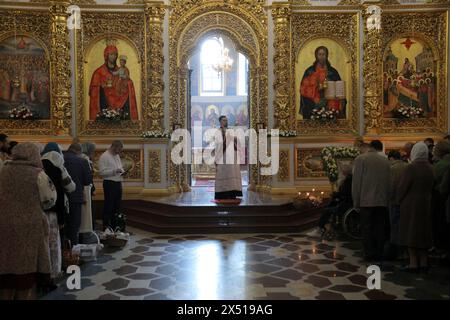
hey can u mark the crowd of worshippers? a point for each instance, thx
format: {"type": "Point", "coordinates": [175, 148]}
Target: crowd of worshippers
{"type": "Point", "coordinates": [44, 193]}
{"type": "Point", "coordinates": [403, 200]}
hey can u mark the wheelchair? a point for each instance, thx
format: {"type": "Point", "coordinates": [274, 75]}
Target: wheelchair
{"type": "Point", "coordinates": [347, 224]}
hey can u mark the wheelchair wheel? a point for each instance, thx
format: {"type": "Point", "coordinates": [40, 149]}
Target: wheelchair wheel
{"type": "Point", "coordinates": [351, 223]}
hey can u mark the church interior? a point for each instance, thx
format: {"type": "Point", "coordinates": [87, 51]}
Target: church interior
{"type": "Point", "coordinates": [323, 82]}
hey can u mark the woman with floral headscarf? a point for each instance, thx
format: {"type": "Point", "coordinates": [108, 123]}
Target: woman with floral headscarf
{"type": "Point", "coordinates": [25, 192]}
{"type": "Point", "coordinates": [414, 195]}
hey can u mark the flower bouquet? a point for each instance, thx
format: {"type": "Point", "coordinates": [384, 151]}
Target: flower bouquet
{"type": "Point", "coordinates": [155, 134]}
{"type": "Point", "coordinates": [111, 115]}
{"type": "Point", "coordinates": [408, 112]}
{"type": "Point", "coordinates": [324, 115]}
{"type": "Point", "coordinates": [22, 113]}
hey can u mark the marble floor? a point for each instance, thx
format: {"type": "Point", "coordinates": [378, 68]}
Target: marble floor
{"type": "Point", "coordinates": [247, 266]}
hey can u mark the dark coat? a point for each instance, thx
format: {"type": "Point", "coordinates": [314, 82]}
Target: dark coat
{"type": "Point", "coordinates": [78, 169]}
{"type": "Point", "coordinates": [414, 196]}
{"type": "Point", "coordinates": [54, 174]}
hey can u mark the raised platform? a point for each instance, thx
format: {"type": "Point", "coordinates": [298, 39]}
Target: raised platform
{"type": "Point", "coordinates": [193, 212]}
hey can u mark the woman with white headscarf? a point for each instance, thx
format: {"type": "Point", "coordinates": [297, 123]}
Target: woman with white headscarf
{"type": "Point", "coordinates": [414, 195]}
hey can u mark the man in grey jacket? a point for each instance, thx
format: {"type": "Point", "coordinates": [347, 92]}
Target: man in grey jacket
{"type": "Point", "coordinates": [371, 193]}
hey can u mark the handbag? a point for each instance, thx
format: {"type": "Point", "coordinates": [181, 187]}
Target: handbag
{"type": "Point", "coordinates": [69, 258]}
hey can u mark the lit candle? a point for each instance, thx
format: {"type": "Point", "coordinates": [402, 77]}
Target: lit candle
{"type": "Point", "coordinates": [313, 190]}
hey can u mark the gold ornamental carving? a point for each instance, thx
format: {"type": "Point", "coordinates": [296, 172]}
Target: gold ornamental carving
{"type": "Point", "coordinates": [349, 2]}
{"type": "Point", "coordinates": [191, 21]}
{"type": "Point", "coordinates": [373, 108]}
{"type": "Point", "coordinates": [60, 72]}
{"type": "Point", "coordinates": [284, 169]}
{"type": "Point", "coordinates": [284, 115]}
{"type": "Point", "coordinates": [342, 28]}
{"type": "Point", "coordinates": [154, 166]}
{"type": "Point", "coordinates": [154, 109]}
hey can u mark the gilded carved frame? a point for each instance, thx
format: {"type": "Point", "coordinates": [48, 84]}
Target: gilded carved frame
{"type": "Point", "coordinates": [245, 23]}
{"type": "Point", "coordinates": [343, 27]}
{"type": "Point", "coordinates": [127, 26]}
{"type": "Point", "coordinates": [47, 26]}
{"type": "Point", "coordinates": [431, 28]}
{"type": "Point", "coordinates": [142, 28]}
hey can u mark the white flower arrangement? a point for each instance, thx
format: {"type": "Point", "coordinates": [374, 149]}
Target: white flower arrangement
{"type": "Point", "coordinates": [288, 133]}
{"type": "Point", "coordinates": [111, 115]}
{"type": "Point", "coordinates": [155, 134]}
{"type": "Point", "coordinates": [324, 115]}
{"type": "Point", "coordinates": [408, 112]}
{"type": "Point", "coordinates": [22, 112]}
{"type": "Point", "coordinates": [329, 156]}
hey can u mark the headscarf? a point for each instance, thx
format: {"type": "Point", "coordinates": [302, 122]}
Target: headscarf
{"type": "Point", "coordinates": [108, 50]}
{"type": "Point", "coordinates": [419, 151]}
{"type": "Point", "coordinates": [51, 146]}
{"type": "Point", "coordinates": [52, 152]}
{"type": "Point", "coordinates": [27, 153]}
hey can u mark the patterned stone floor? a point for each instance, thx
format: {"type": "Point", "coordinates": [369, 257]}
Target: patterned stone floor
{"type": "Point", "coordinates": [255, 266]}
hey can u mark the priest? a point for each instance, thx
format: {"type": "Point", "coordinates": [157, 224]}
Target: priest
{"type": "Point", "coordinates": [228, 183]}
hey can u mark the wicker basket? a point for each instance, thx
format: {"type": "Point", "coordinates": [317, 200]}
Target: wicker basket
{"type": "Point", "coordinates": [116, 242]}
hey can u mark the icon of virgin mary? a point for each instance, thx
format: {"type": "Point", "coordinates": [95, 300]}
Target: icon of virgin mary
{"type": "Point", "coordinates": [104, 92]}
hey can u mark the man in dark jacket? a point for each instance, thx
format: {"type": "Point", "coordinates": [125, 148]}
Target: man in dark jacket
{"type": "Point", "coordinates": [78, 169]}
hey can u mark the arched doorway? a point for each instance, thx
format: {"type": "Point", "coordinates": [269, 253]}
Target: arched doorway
{"type": "Point", "coordinates": [191, 26]}
{"type": "Point", "coordinates": [218, 86]}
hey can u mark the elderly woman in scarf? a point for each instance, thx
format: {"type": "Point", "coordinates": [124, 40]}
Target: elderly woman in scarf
{"type": "Point", "coordinates": [25, 192]}
{"type": "Point", "coordinates": [414, 195]}
{"type": "Point", "coordinates": [53, 162]}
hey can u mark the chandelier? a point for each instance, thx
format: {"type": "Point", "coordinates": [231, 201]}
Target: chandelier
{"type": "Point", "coordinates": [224, 63]}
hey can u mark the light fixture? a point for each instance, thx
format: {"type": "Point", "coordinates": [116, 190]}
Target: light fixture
{"type": "Point", "coordinates": [225, 63]}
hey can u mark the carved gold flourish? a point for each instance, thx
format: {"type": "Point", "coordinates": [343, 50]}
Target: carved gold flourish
{"type": "Point", "coordinates": [372, 77]}
{"type": "Point", "coordinates": [154, 166]}
{"type": "Point", "coordinates": [245, 23]}
{"type": "Point", "coordinates": [343, 28]}
{"type": "Point", "coordinates": [154, 110]}
{"type": "Point", "coordinates": [60, 71]}
{"type": "Point", "coordinates": [349, 2]}
{"type": "Point", "coordinates": [284, 171]}
{"type": "Point", "coordinates": [284, 115]}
